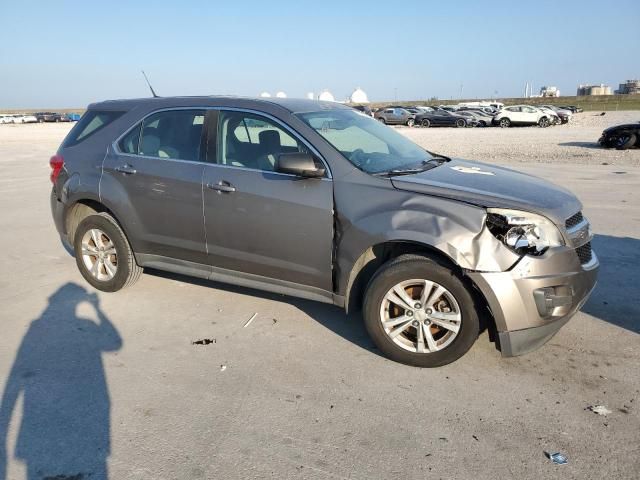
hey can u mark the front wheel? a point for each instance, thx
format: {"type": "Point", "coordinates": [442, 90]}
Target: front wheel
{"type": "Point", "coordinates": [381, 119]}
{"type": "Point", "coordinates": [544, 122]}
{"type": "Point", "coordinates": [625, 141]}
{"type": "Point", "coordinates": [419, 312]}
{"type": "Point", "coordinates": [426, 123]}
{"type": "Point", "coordinates": [411, 122]}
{"type": "Point", "coordinates": [103, 254]}
{"type": "Point", "coordinates": [460, 123]}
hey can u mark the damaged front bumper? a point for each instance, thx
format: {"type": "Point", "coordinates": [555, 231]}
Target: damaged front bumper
{"type": "Point", "coordinates": [535, 298]}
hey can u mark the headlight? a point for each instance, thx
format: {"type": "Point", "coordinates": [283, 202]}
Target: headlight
{"type": "Point", "coordinates": [523, 232]}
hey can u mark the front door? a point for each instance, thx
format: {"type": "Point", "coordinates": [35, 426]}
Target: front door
{"type": "Point", "coordinates": [261, 222]}
{"type": "Point", "coordinates": [155, 177]}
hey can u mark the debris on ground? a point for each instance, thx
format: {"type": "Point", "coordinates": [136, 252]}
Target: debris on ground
{"type": "Point", "coordinates": [557, 458]}
{"type": "Point", "coordinates": [223, 368]}
{"type": "Point", "coordinates": [475, 438]}
{"type": "Point", "coordinates": [204, 341]}
{"type": "Point", "coordinates": [599, 409]}
{"type": "Point", "coordinates": [250, 320]}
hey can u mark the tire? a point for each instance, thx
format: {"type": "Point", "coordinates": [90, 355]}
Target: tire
{"type": "Point", "coordinates": [505, 123]}
{"type": "Point", "coordinates": [110, 238]}
{"type": "Point", "coordinates": [444, 345]}
{"type": "Point", "coordinates": [482, 123]}
{"type": "Point", "coordinates": [425, 123]}
{"type": "Point", "coordinates": [411, 122]}
{"type": "Point", "coordinates": [543, 122]}
{"type": "Point", "coordinates": [624, 142]}
{"type": "Point", "coordinates": [381, 119]}
{"type": "Point", "coordinates": [40, 120]}
{"type": "Point", "coordinates": [460, 123]}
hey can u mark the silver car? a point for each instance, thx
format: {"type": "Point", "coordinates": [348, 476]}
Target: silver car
{"type": "Point", "coordinates": [315, 200]}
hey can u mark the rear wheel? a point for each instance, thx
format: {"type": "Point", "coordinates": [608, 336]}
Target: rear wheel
{"type": "Point", "coordinates": [425, 123]}
{"type": "Point", "coordinates": [103, 254]}
{"type": "Point", "coordinates": [505, 123]}
{"type": "Point", "coordinates": [419, 312]}
{"type": "Point", "coordinates": [625, 141]}
{"type": "Point", "coordinates": [461, 123]}
{"type": "Point", "coordinates": [543, 122]}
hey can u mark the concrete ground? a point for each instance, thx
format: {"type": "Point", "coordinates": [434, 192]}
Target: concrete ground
{"type": "Point", "coordinates": [99, 383]}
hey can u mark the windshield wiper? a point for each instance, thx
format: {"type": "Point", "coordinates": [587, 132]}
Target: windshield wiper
{"type": "Point", "coordinates": [426, 165]}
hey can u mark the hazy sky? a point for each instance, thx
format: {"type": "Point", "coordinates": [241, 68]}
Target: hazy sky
{"type": "Point", "coordinates": [67, 53]}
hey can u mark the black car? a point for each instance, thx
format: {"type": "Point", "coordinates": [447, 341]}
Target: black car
{"type": "Point", "coordinates": [440, 118]}
{"type": "Point", "coordinates": [51, 117]}
{"type": "Point", "coordinates": [621, 137]}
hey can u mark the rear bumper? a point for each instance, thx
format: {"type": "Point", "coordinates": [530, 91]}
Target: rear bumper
{"type": "Point", "coordinates": [533, 300]}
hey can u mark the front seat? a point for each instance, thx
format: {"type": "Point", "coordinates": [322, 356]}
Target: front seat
{"type": "Point", "coordinates": [270, 147]}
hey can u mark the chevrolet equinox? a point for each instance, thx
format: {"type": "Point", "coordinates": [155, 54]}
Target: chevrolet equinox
{"type": "Point", "coordinates": [316, 200]}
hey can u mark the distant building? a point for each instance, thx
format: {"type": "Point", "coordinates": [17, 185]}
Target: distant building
{"type": "Point", "coordinates": [630, 87]}
{"type": "Point", "coordinates": [265, 94]}
{"type": "Point", "coordinates": [588, 90]}
{"type": "Point", "coordinates": [281, 95]}
{"type": "Point", "coordinates": [326, 96]}
{"type": "Point", "coordinates": [359, 96]}
{"type": "Point", "coordinates": [549, 92]}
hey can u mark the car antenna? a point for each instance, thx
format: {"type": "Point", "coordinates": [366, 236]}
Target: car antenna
{"type": "Point", "coordinates": [149, 83]}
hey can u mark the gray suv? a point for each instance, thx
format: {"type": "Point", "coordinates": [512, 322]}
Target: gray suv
{"type": "Point", "coordinates": [315, 200]}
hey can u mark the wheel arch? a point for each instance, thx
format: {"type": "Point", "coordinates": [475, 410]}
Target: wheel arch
{"type": "Point", "coordinates": [377, 255]}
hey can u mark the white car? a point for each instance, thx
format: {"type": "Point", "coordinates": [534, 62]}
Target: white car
{"type": "Point", "coordinates": [553, 116]}
{"type": "Point", "coordinates": [17, 118]}
{"type": "Point", "coordinates": [29, 119]}
{"type": "Point", "coordinates": [6, 119]}
{"type": "Point", "coordinates": [522, 115]}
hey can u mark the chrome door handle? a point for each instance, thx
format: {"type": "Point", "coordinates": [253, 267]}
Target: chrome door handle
{"type": "Point", "coordinates": [126, 169]}
{"type": "Point", "coordinates": [222, 187]}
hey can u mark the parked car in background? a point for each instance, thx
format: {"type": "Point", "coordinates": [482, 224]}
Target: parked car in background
{"type": "Point", "coordinates": [74, 117]}
{"type": "Point", "coordinates": [4, 118]}
{"type": "Point", "coordinates": [440, 118]}
{"type": "Point", "coordinates": [553, 116]}
{"type": "Point", "coordinates": [395, 116]}
{"type": "Point", "coordinates": [28, 118]}
{"type": "Point", "coordinates": [17, 118]}
{"type": "Point", "coordinates": [521, 115]}
{"type": "Point", "coordinates": [314, 200]}
{"type": "Point", "coordinates": [481, 119]}
{"type": "Point", "coordinates": [50, 117]}
{"type": "Point", "coordinates": [562, 113]}
{"type": "Point", "coordinates": [573, 108]}
{"type": "Point", "coordinates": [621, 137]}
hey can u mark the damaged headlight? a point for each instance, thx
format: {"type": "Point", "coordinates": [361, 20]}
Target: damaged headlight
{"type": "Point", "coordinates": [523, 232]}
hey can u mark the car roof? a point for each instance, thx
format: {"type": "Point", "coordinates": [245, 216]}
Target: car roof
{"type": "Point", "coordinates": [293, 105]}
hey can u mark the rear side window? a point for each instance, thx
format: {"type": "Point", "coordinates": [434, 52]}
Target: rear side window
{"type": "Point", "coordinates": [173, 134]}
{"type": "Point", "coordinates": [90, 123]}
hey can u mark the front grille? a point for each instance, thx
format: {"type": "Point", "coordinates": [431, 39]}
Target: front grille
{"type": "Point", "coordinates": [574, 220]}
{"type": "Point", "coordinates": [584, 253]}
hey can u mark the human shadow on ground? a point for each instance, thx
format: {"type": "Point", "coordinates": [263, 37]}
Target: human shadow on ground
{"type": "Point", "coordinates": [65, 427]}
{"type": "Point", "coordinates": [615, 298]}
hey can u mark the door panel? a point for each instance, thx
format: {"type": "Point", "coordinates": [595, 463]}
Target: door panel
{"type": "Point", "coordinates": [159, 199]}
{"type": "Point", "coordinates": [262, 222]}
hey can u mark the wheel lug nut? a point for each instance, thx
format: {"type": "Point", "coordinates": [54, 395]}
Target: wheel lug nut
{"type": "Point", "coordinates": [415, 323]}
{"type": "Point", "coordinates": [427, 322]}
{"type": "Point", "coordinates": [417, 305]}
{"type": "Point", "coordinates": [409, 313]}
{"type": "Point", "coordinates": [429, 311]}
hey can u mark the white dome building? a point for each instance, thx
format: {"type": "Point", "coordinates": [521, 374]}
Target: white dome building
{"type": "Point", "coordinates": [359, 96]}
{"type": "Point", "coordinates": [326, 96]}
{"type": "Point", "coordinates": [310, 95]}
{"type": "Point", "coordinates": [281, 95]}
{"type": "Point", "coordinates": [265, 94]}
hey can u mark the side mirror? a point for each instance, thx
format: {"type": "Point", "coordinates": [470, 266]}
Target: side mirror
{"type": "Point", "coordinates": [300, 164]}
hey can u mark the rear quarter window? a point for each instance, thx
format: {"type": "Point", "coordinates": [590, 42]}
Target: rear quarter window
{"type": "Point", "coordinates": [90, 123]}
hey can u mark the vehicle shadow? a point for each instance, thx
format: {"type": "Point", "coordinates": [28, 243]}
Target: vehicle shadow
{"type": "Point", "coordinates": [350, 327]}
{"type": "Point", "coordinates": [615, 298]}
{"type": "Point", "coordinates": [64, 430]}
{"type": "Point", "coordinates": [594, 145]}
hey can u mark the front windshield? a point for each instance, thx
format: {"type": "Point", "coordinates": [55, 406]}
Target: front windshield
{"type": "Point", "coordinates": [365, 142]}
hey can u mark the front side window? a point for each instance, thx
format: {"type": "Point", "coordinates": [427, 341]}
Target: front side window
{"type": "Point", "coordinates": [172, 134]}
{"type": "Point", "coordinates": [130, 142]}
{"type": "Point", "coordinates": [252, 141]}
{"type": "Point", "coordinates": [366, 143]}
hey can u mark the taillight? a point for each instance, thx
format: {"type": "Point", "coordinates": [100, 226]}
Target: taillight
{"type": "Point", "coordinates": [56, 162]}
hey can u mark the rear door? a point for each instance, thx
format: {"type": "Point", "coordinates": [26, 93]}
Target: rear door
{"type": "Point", "coordinates": [259, 221]}
{"type": "Point", "coordinates": [154, 177]}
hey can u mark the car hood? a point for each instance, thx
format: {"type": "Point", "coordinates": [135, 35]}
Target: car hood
{"type": "Point", "coordinates": [492, 186]}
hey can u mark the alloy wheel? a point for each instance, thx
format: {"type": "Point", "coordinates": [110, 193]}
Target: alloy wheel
{"type": "Point", "coordinates": [99, 255]}
{"type": "Point", "coordinates": [420, 316]}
